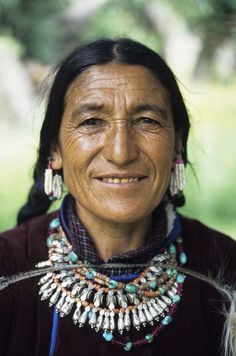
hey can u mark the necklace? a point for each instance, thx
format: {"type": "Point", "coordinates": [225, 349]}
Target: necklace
{"type": "Point", "coordinates": [107, 304]}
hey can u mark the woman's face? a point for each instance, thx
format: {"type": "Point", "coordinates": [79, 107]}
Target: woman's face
{"type": "Point", "coordinates": [117, 142]}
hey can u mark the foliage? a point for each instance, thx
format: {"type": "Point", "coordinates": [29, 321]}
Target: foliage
{"type": "Point", "coordinates": [35, 24]}
{"type": "Point", "coordinates": [213, 21]}
{"type": "Point", "coordinates": [211, 197]}
{"type": "Point", "coordinates": [46, 32]}
{"type": "Point", "coordinates": [117, 18]}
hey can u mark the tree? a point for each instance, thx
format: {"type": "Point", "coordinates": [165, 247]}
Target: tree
{"type": "Point", "coordinates": [35, 24]}
{"type": "Point", "coordinates": [214, 21]}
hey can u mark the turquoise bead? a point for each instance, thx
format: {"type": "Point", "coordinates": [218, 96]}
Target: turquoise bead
{"type": "Point", "coordinates": [149, 337]}
{"type": "Point", "coordinates": [92, 272]}
{"type": "Point", "coordinates": [89, 275]}
{"type": "Point", "coordinates": [107, 336]}
{"type": "Point", "coordinates": [176, 298]}
{"type": "Point", "coordinates": [64, 240]}
{"type": "Point", "coordinates": [131, 288]}
{"type": "Point", "coordinates": [162, 290]}
{"type": "Point", "coordinates": [183, 258]}
{"type": "Point", "coordinates": [73, 257]}
{"type": "Point", "coordinates": [167, 320]}
{"type": "Point", "coordinates": [113, 284]}
{"type": "Point", "coordinates": [170, 272]}
{"type": "Point", "coordinates": [49, 242]}
{"type": "Point", "coordinates": [55, 223]}
{"type": "Point", "coordinates": [153, 285]}
{"type": "Point", "coordinates": [172, 249]}
{"type": "Point", "coordinates": [128, 346]}
{"type": "Point", "coordinates": [180, 278]}
{"type": "Point", "coordinates": [179, 240]}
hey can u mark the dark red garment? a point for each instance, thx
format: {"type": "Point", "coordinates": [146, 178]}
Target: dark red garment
{"type": "Point", "coordinates": [196, 329]}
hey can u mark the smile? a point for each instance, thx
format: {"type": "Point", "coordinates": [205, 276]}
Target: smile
{"type": "Point", "coordinates": [121, 180]}
{"type": "Point", "coordinates": [115, 180]}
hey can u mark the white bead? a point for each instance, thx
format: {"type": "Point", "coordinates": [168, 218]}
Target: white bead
{"type": "Point", "coordinates": [48, 181]}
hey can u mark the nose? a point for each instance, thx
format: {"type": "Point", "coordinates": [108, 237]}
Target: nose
{"type": "Point", "coordinates": [120, 147]}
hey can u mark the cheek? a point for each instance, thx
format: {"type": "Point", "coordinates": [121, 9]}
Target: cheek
{"type": "Point", "coordinates": [161, 151]}
{"type": "Point", "coordinates": [77, 153]}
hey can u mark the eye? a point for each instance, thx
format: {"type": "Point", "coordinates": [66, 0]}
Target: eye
{"type": "Point", "coordinates": [144, 120]}
{"type": "Point", "coordinates": [92, 122]}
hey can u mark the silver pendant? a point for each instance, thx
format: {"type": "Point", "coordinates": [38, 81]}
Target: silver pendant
{"type": "Point", "coordinates": [61, 301]}
{"type": "Point", "coordinates": [120, 323]}
{"type": "Point", "coordinates": [112, 321]}
{"type": "Point", "coordinates": [106, 322]}
{"type": "Point", "coordinates": [110, 300]}
{"type": "Point", "coordinates": [67, 306]}
{"type": "Point", "coordinates": [45, 278]}
{"type": "Point", "coordinates": [141, 316]}
{"type": "Point", "coordinates": [100, 320]}
{"type": "Point", "coordinates": [153, 311]}
{"type": "Point", "coordinates": [135, 319]}
{"type": "Point", "coordinates": [98, 298]}
{"type": "Point", "coordinates": [93, 318]}
{"type": "Point", "coordinates": [84, 316]}
{"type": "Point", "coordinates": [85, 293]}
{"type": "Point", "coordinates": [44, 287]}
{"type": "Point", "coordinates": [127, 320]}
{"type": "Point", "coordinates": [55, 297]}
{"type": "Point", "coordinates": [156, 306]}
{"type": "Point", "coordinates": [122, 299]}
{"type": "Point", "coordinates": [77, 313]}
{"type": "Point", "coordinates": [148, 314]}
{"type": "Point", "coordinates": [167, 300]}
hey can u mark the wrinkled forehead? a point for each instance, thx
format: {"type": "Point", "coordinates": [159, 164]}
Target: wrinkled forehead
{"type": "Point", "coordinates": [116, 77]}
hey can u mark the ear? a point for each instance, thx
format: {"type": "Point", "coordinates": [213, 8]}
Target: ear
{"type": "Point", "coordinates": [178, 142]}
{"type": "Point", "coordinates": [178, 146]}
{"type": "Point", "coordinates": [56, 158]}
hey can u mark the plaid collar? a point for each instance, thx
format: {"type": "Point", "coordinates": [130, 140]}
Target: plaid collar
{"type": "Point", "coordinates": [84, 247]}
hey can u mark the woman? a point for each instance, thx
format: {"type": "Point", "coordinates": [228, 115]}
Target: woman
{"type": "Point", "coordinates": [114, 259]}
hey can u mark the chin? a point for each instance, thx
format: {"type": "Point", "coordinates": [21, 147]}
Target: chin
{"type": "Point", "coordinates": [125, 216]}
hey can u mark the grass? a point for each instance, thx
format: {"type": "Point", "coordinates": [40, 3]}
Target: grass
{"type": "Point", "coordinates": [212, 151]}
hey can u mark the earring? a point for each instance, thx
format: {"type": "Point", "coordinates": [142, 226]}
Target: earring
{"type": "Point", "coordinates": [177, 179]}
{"type": "Point", "coordinates": [52, 184]}
{"type": "Point", "coordinates": [57, 187]}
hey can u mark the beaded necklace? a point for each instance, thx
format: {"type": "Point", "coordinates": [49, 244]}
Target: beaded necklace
{"type": "Point", "coordinates": [113, 305]}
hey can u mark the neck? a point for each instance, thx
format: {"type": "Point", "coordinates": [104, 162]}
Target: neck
{"type": "Point", "coordinates": [112, 238]}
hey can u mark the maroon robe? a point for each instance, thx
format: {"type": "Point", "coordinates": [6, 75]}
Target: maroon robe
{"type": "Point", "coordinates": [196, 329]}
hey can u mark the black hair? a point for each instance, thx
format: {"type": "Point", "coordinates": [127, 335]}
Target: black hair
{"type": "Point", "coordinates": [101, 51]}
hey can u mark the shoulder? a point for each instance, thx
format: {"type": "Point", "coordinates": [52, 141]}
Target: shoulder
{"type": "Point", "coordinates": [24, 246]}
{"type": "Point", "coordinates": [209, 250]}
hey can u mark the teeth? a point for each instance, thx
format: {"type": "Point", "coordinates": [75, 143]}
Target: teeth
{"type": "Point", "coordinates": [120, 180]}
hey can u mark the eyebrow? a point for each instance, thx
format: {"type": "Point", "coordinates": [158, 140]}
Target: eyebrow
{"type": "Point", "coordinates": [86, 108]}
{"type": "Point", "coordinates": [149, 107]}
{"type": "Point", "coordinates": [93, 107]}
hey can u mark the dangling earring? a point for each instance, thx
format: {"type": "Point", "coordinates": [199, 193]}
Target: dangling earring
{"type": "Point", "coordinates": [57, 187]}
{"type": "Point", "coordinates": [177, 179]}
{"type": "Point", "coordinates": [52, 184]}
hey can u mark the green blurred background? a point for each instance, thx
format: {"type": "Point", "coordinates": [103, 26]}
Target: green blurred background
{"type": "Point", "coordinates": [197, 38]}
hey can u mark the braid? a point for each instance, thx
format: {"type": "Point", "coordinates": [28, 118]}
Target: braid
{"type": "Point", "coordinates": [37, 201]}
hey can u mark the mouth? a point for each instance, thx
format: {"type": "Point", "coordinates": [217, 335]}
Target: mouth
{"type": "Point", "coordinates": [121, 180]}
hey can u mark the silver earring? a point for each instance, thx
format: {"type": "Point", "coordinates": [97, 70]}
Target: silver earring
{"type": "Point", "coordinates": [177, 179]}
{"type": "Point", "coordinates": [52, 184]}
{"type": "Point", "coordinates": [57, 187]}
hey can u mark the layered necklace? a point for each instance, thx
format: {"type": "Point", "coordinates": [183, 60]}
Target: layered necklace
{"type": "Point", "coordinates": [113, 305]}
